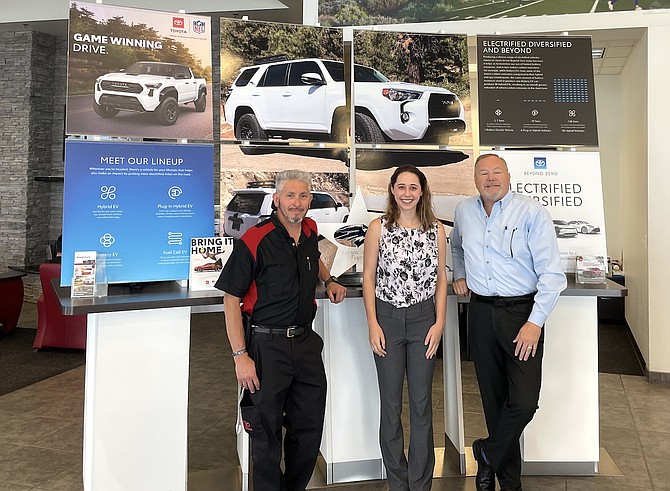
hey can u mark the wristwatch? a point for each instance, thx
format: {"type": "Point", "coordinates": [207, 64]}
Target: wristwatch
{"type": "Point", "coordinates": [330, 280]}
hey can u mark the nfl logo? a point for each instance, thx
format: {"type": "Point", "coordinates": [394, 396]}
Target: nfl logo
{"type": "Point", "coordinates": [199, 26]}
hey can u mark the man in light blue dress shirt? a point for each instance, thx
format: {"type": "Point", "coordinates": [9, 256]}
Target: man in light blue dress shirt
{"type": "Point", "coordinates": [506, 257]}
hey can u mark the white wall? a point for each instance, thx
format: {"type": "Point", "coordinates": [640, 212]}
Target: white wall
{"type": "Point", "coordinates": [632, 145]}
{"type": "Point", "coordinates": [608, 88]}
{"type": "Point", "coordinates": [658, 130]}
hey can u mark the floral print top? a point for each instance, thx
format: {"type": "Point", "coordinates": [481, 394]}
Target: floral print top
{"type": "Point", "coordinates": [407, 265]}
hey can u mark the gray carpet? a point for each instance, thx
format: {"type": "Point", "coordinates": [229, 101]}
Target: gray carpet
{"type": "Point", "coordinates": [617, 352]}
{"type": "Point", "coordinates": [20, 367]}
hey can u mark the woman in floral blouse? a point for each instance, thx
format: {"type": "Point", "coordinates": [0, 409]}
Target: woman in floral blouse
{"type": "Point", "coordinates": [405, 295]}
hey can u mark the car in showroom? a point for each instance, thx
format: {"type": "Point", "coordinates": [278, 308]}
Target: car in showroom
{"type": "Point", "coordinates": [584, 227]}
{"type": "Point", "coordinates": [305, 98]}
{"type": "Point", "coordinates": [252, 205]}
{"type": "Point", "coordinates": [564, 229]}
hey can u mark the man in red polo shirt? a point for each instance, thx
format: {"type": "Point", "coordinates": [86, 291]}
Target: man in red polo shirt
{"type": "Point", "coordinates": [273, 272]}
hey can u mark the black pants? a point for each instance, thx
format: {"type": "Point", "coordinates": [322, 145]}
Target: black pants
{"type": "Point", "coordinates": [293, 396]}
{"type": "Point", "coordinates": [510, 388]}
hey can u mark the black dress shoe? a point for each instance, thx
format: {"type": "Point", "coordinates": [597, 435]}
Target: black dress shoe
{"type": "Point", "coordinates": [486, 477]}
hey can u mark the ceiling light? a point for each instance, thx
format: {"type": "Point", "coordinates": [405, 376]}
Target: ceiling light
{"type": "Point", "coordinates": [598, 53]}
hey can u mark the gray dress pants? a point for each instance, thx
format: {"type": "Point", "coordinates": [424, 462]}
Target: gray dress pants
{"type": "Point", "coordinates": [405, 330]}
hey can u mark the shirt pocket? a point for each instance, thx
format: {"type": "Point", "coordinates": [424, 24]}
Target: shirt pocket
{"type": "Point", "coordinates": [283, 282]}
{"type": "Point", "coordinates": [507, 242]}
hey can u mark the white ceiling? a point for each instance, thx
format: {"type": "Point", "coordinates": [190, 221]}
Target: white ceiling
{"type": "Point", "coordinates": [618, 44]}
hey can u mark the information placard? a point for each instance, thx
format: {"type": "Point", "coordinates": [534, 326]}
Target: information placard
{"type": "Point", "coordinates": [568, 185]}
{"type": "Point", "coordinates": [137, 205]}
{"type": "Point", "coordinates": [536, 91]}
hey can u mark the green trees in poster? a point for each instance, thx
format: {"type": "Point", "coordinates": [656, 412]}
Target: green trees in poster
{"type": "Point", "coordinates": [422, 59]}
{"type": "Point", "coordinates": [438, 60]}
{"type": "Point", "coordinates": [243, 42]}
{"type": "Point", "coordinates": [86, 67]}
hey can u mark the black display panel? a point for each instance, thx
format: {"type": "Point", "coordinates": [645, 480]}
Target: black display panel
{"type": "Point", "coordinates": [536, 91]}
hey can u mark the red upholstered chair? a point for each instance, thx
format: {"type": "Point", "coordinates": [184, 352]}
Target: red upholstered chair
{"type": "Point", "coordinates": [11, 301]}
{"type": "Point", "coordinates": [54, 329]}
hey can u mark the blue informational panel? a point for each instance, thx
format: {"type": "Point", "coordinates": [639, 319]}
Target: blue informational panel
{"type": "Point", "coordinates": [137, 205]}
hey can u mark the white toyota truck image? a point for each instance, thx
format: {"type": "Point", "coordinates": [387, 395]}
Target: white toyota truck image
{"type": "Point", "coordinates": [149, 86]}
{"type": "Point", "coordinates": [306, 98]}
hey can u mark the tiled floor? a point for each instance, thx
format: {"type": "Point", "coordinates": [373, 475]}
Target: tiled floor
{"type": "Point", "coordinates": [41, 427]}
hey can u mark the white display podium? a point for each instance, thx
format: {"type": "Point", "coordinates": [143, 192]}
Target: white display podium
{"type": "Point", "coordinates": [136, 389]}
{"type": "Point", "coordinates": [562, 439]}
{"type": "Point", "coordinates": [136, 386]}
{"type": "Point", "coordinates": [136, 400]}
{"type": "Point", "coordinates": [350, 443]}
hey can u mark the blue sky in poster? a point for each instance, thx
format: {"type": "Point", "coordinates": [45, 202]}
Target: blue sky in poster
{"type": "Point", "coordinates": [138, 204]}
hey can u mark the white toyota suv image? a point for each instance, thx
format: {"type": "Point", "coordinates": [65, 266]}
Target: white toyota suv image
{"type": "Point", "coordinates": [251, 206]}
{"type": "Point", "coordinates": [149, 86]}
{"type": "Point", "coordinates": [306, 99]}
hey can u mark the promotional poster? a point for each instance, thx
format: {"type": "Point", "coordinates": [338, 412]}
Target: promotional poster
{"type": "Point", "coordinates": [208, 257]}
{"type": "Point", "coordinates": [138, 73]}
{"type": "Point", "coordinates": [568, 184]}
{"type": "Point", "coordinates": [536, 91]}
{"type": "Point", "coordinates": [137, 205]}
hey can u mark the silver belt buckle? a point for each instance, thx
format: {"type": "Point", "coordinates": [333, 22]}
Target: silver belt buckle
{"type": "Point", "coordinates": [291, 332]}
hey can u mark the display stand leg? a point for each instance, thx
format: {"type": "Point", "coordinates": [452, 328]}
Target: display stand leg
{"type": "Point", "coordinates": [350, 443]}
{"type": "Point", "coordinates": [454, 445]}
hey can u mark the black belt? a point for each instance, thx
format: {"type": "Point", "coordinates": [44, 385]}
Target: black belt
{"type": "Point", "coordinates": [504, 301]}
{"type": "Point", "coordinates": [289, 332]}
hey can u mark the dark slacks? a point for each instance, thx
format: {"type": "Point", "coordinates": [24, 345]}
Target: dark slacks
{"type": "Point", "coordinates": [510, 388]}
{"type": "Point", "coordinates": [405, 330]}
{"type": "Point", "coordinates": [293, 396]}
